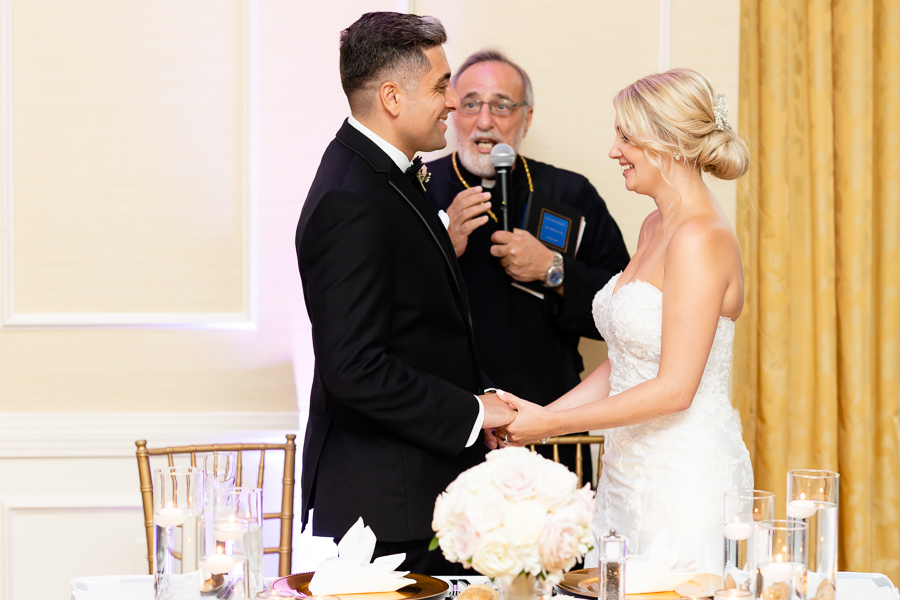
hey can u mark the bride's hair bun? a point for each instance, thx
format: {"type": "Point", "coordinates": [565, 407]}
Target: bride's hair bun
{"type": "Point", "coordinates": [674, 114]}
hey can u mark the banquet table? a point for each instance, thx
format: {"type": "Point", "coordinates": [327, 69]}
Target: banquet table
{"type": "Point", "coordinates": [851, 586]}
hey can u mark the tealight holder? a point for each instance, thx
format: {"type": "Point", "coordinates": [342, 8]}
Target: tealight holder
{"type": "Point", "coordinates": [612, 567]}
{"type": "Point", "coordinates": [744, 509]}
{"type": "Point", "coordinates": [233, 566]}
{"type": "Point", "coordinates": [812, 498]}
{"type": "Point", "coordinates": [781, 562]}
{"type": "Point", "coordinates": [178, 518]}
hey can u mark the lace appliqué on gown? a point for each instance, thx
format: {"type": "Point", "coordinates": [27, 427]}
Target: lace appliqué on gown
{"type": "Point", "coordinates": [663, 481]}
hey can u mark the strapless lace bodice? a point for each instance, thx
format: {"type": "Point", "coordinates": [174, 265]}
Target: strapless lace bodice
{"type": "Point", "coordinates": [665, 478]}
{"type": "Point", "coordinates": [630, 321]}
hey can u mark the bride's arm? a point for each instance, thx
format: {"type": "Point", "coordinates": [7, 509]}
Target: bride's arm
{"type": "Point", "coordinates": [698, 270]}
{"type": "Point", "coordinates": [594, 387]}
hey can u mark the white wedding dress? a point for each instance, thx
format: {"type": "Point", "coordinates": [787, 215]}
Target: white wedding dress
{"type": "Point", "coordinates": [663, 481]}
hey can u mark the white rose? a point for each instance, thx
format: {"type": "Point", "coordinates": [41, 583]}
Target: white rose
{"type": "Point", "coordinates": [515, 477]}
{"type": "Point", "coordinates": [496, 557]}
{"type": "Point", "coordinates": [554, 485]}
{"type": "Point", "coordinates": [507, 453]}
{"type": "Point", "coordinates": [479, 478]}
{"type": "Point", "coordinates": [486, 510]}
{"type": "Point", "coordinates": [524, 521]}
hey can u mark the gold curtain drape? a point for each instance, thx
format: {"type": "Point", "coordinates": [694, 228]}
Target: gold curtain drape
{"type": "Point", "coordinates": [817, 354]}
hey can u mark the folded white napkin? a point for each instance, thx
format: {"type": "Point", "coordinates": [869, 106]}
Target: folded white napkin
{"type": "Point", "coordinates": [354, 572]}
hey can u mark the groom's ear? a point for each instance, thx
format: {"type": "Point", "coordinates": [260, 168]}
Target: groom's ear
{"type": "Point", "coordinates": [390, 96]}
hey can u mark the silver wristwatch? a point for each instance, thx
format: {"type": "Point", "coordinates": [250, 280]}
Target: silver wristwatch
{"type": "Point", "coordinates": [555, 274]}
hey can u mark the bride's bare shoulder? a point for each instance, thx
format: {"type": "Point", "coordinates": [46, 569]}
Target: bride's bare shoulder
{"type": "Point", "coordinates": [704, 236]}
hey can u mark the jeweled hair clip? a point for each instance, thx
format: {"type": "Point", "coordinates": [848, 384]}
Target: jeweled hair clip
{"type": "Point", "coordinates": [720, 110]}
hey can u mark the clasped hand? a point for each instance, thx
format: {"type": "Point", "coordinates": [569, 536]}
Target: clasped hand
{"type": "Point", "coordinates": [521, 254]}
{"type": "Point", "coordinates": [529, 424]}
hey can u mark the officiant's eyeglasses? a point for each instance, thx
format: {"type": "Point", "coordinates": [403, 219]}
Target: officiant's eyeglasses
{"type": "Point", "coordinates": [499, 108]}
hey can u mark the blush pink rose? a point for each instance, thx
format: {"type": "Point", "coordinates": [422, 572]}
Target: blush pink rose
{"type": "Point", "coordinates": [465, 540]}
{"type": "Point", "coordinates": [554, 485]}
{"type": "Point", "coordinates": [560, 540]}
{"type": "Point", "coordinates": [516, 479]}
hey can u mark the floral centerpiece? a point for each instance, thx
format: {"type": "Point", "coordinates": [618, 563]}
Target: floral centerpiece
{"type": "Point", "coordinates": [516, 513]}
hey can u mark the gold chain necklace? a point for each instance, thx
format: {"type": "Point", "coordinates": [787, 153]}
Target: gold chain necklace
{"type": "Point", "coordinates": [466, 185]}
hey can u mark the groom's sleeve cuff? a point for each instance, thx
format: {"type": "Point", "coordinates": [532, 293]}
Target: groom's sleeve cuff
{"type": "Point", "coordinates": [476, 431]}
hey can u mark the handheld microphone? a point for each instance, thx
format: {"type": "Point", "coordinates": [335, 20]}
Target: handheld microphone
{"type": "Point", "coordinates": [502, 157]}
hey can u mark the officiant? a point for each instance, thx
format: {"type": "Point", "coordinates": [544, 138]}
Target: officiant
{"type": "Point", "coordinates": [526, 334]}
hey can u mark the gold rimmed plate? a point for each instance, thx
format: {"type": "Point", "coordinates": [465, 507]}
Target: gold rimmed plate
{"type": "Point", "coordinates": [584, 583]}
{"type": "Point", "coordinates": [425, 587]}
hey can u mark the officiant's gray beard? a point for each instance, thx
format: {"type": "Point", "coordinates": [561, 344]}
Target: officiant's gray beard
{"type": "Point", "coordinates": [480, 164]}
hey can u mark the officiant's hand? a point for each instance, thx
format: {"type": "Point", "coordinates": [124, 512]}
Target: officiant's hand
{"type": "Point", "coordinates": [466, 214]}
{"type": "Point", "coordinates": [530, 425]}
{"type": "Point", "coordinates": [522, 255]}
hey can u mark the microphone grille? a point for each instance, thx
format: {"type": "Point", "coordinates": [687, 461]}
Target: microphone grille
{"type": "Point", "coordinates": [503, 155]}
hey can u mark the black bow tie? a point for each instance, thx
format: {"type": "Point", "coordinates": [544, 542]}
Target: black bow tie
{"type": "Point", "coordinates": [413, 171]}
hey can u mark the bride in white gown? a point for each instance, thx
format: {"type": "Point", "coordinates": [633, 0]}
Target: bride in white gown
{"type": "Point", "coordinates": [673, 446]}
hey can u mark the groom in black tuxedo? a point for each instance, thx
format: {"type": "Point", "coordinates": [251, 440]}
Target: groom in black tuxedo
{"type": "Point", "coordinates": [393, 415]}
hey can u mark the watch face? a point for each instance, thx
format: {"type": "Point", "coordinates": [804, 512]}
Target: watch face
{"type": "Point", "coordinates": [556, 278]}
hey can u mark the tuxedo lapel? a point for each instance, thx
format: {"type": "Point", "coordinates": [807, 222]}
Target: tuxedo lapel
{"type": "Point", "coordinates": [405, 188]}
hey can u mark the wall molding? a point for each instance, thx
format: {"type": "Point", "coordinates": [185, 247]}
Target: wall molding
{"type": "Point", "coordinates": [10, 318]}
{"type": "Point", "coordinates": [666, 27]}
{"type": "Point", "coordinates": [35, 503]}
{"type": "Point", "coordinates": [90, 435]}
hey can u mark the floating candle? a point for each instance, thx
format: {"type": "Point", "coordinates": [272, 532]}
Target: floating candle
{"type": "Point", "coordinates": [216, 564]}
{"type": "Point", "coordinates": [170, 517]}
{"type": "Point", "coordinates": [228, 531]}
{"type": "Point", "coordinates": [777, 572]}
{"type": "Point", "coordinates": [737, 530]}
{"type": "Point", "coordinates": [801, 509]}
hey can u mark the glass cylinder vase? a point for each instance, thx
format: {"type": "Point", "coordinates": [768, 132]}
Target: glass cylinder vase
{"type": "Point", "coordinates": [233, 565]}
{"type": "Point", "coordinates": [178, 520]}
{"type": "Point", "coordinates": [813, 499]}
{"type": "Point", "coordinates": [523, 587]}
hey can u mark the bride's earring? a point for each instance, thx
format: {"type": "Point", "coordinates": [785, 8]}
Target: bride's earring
{"type": "Point", "coordinates": [676, 156]}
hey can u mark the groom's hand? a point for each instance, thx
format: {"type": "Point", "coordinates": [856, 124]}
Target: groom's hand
{"type": "Point", "coordinates": [496, 412]}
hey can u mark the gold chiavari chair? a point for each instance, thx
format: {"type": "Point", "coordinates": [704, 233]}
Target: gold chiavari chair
{"type": "Point", "coordinates": [287, 488]}
{"type": "Point", "coordinates": [579, 441]}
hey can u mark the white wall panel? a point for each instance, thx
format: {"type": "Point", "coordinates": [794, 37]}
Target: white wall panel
{"type": "Point", "coordinates": [131, 130]}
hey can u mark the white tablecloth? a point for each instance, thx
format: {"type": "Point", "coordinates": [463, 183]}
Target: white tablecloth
{"type": "Point", "coordinates": [851, 586]}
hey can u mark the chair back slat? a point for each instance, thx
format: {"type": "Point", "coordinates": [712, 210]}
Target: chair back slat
{"type": "Point", "coordinates": [239, 469]}
{"type": "Point", "coordinates": [262, 466]}
{"type": "Point", "coordinates": [578, 441]}
{"type": "Point", "coordinates": [286, 515]}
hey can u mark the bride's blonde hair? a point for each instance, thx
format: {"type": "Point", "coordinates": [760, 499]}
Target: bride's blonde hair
{"type": "Point", "coordinates": [672, 114]}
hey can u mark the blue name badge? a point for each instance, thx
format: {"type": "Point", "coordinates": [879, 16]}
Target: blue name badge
{"type": "Point", "coordinates": [554, 230]}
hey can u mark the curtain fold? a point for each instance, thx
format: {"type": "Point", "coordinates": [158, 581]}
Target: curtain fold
{"type": "Point", "coordinates": [817, 353]}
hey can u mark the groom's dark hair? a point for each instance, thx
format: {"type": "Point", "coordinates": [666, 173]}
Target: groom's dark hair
{"type": "Point", "coordinates": [385, 45]}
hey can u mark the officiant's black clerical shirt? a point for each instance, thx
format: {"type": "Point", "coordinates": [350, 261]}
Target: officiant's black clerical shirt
{"type": "Point", "coordinates": [524, 344]}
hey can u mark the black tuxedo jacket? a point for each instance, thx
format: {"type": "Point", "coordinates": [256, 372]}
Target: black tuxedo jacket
{"type": "Point", "coordinates": [392, 405]}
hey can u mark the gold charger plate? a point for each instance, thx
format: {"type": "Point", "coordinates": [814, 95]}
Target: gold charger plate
{"type": "Point", "coordinates": [424, 587]}
{"type": "Point", "coordinates": [583, 582]}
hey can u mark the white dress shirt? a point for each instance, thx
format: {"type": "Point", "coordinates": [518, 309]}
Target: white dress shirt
{"type": "Point", "coordinates": [401, 160]}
